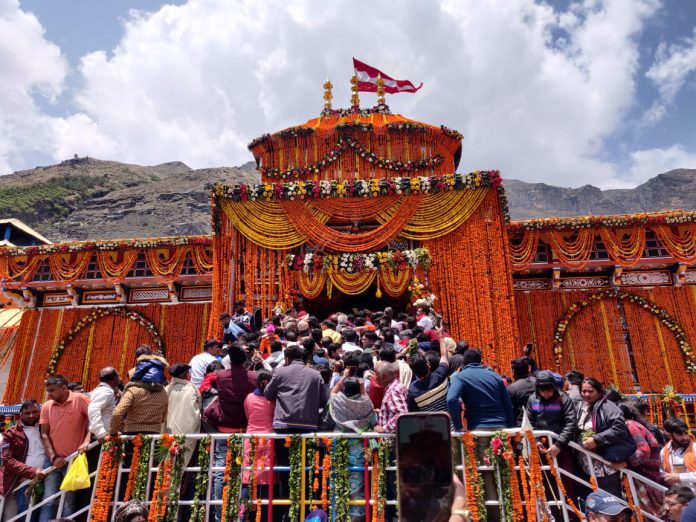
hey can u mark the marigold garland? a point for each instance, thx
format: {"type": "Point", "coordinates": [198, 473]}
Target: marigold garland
{"type": "Point", "coordinates": [561, 487]}
{"type": "Point", "coordinates": [96, 314]}
{"type": "Point", "coordinates": [325, 472]}
{"type": "Point", "coordinates": [232, 489]}
{"type": "Point", "coordinates": [143, 470]}
{"type": "Point", "coordinates": [661, 314]}
{"type": "Point", "coordinates": [475, 496]}
{"type": "Point", "coordinates": [111, 455]}
{"type": "Point", "coordinates": [631, 501]}
{"type": "Point", "coordinates": [135, 462]}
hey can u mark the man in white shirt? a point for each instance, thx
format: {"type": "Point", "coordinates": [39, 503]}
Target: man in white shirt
{"type": "Point", "coordinates": [351, 337]}
{"type": "Point", "coordinates": [423, 317]}
{"type": "Point", "coordinates": [276, 358]}
{"type": "Point", "coordinates": [212, 350]}
{"type": "Point", "coordinates": [102, 401]}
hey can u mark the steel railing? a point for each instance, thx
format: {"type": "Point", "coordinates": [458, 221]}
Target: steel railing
{"type": "Point", "coordinates": [557, 501]}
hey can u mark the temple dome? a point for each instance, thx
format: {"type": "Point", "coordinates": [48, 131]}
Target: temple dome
{"type": "Point", "coordinates": [357, 143]}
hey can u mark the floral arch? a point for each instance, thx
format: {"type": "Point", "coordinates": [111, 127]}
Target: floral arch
{"type": "Point", "coordinates": [664, 317]}
{"type": "Point", "coordinates": [94, 316]}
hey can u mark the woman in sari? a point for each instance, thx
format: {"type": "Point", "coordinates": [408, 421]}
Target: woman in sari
{"type": "Point", "coordinates": [352, 411]}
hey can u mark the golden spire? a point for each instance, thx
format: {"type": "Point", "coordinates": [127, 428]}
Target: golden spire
{"type": "Point", "coordinates": [354, 98]}
{"type": "Point", "coordinates": [380, 90]}
{"type": "Point", "coordinates": [327, 94]}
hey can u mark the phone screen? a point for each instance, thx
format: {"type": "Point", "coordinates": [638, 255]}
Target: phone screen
{"type": "Point", "coordinates": [424, 460]}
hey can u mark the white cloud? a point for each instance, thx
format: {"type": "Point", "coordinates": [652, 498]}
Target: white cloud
{"type": "Point", "coordinates": [535, 90]}
{"type": "Point", "coordinates": [648, 163]}
{"type": "Point", "coordinates": [30, 66]}
{"type": "Point", "coordinates": [673, 64]}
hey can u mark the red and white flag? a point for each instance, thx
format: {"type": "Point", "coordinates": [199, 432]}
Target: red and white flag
{"type": "Point", "coordinates": [367, 80]}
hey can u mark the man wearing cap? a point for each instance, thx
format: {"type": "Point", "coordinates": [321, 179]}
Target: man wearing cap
{"type": "Point", "coordinates": [600, 506]}
{"type": "Point", "coordinates": [184, 411]}
{"type": "Point", "coordinates": [212, 349]}
{"type": "Point", "coordinates": [242, 318]}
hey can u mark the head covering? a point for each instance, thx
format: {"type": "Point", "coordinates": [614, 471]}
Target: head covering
{"type": "Point", "coordinates": [128, 511]}
{"type": "Point", "coordinates": [302, 326]}
{"type": "Point", "coordinates": [558, 378]}
{"type": "Point", "coordinates": [270, 328]}
{"type": "Point", "coordinates": [604, 503]}
{"type": "Point", "coordinates": [178, 369]}
{"type": "Point", "coordinates": [150, 369]}
{"type": "Point", "coordinates": [450, 344]}
{"type": "Point", "coordinates": [302, 314]}
{"type": "Point", "coordinates": [352, 413]}
{"type": "Point", "coordinates": [317, 516]}
{"type": "Point", "coordinates": [545, 379]}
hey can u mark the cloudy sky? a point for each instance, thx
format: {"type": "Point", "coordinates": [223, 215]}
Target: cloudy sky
{"type": "Point", "coordinates": [564, 92]}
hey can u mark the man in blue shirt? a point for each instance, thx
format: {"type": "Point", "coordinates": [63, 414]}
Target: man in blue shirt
{"type": "Point", "coordinates": [487, 403]}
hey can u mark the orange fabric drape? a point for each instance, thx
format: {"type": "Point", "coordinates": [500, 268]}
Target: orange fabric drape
{"type": "Point", "coordinates": [317, 232]}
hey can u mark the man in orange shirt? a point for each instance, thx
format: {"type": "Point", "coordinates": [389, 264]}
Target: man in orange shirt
{"type": "Point", "coordinates": [64, 430]}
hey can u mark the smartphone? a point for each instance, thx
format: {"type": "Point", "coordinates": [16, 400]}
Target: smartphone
{"type": "Point", "coordinates": [424, 467]}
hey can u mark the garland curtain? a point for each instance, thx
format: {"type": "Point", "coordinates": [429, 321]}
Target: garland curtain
{"type": "Point", "coordinates": [166, 264]}
{"type": "Point", "coordinates": [109, 341]}
{"type": "Point", "coordinates": [625, 244]}
{"type": "Point", "coordinates": [595, 344]}
{"type": "Point", "coordinates": [471, 277]}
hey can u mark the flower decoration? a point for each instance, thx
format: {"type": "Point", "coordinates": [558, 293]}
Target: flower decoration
{"type": "Point", "coordinates": [97, 314]}
{"type": "Point", "coordinates": [310, 262]}
{"type": "Point", "coordinates": [675, 217]}
{"type": "Point", "coordinates": [613, 293]}
{"type": "Point", "coordinates": [107, 244]}
{"type": "Point", "coordinates": [345, 144]}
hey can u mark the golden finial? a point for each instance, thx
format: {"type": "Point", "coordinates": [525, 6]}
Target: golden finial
{"type": "Point", "coordinates": [327, 94]}
{"type": "Point", "coordinates": [354, 98]}
{"type": "Point", "coordinates": [380, 90]}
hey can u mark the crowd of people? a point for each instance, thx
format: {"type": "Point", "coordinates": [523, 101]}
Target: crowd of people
{"type": "Point", "coordinates": [350, 373]}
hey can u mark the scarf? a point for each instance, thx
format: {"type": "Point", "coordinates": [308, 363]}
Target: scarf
{"type": "Point", "coordinates": [689, 458]}
{"type": "Point", "coordinates": [351, 413]}
{"type": "Point", "coordinates": [130, 510]}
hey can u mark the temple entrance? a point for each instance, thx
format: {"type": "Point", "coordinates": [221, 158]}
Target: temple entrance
{"type": "Point", "coordinates": [323, 306]}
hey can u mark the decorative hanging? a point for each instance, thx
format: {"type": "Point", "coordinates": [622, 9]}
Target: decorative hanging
{"type": "Point", "coordinates": [661, 314]}
{"type": "Point", "coordinates": [91, 318]}
{"type": "Point", "coordinates": [348, 262]}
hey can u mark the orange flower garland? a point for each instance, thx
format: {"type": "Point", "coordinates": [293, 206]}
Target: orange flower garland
{"type": "Point", "coordinates": [630, 500]}
{"type": "Point", "coordinates": [559, 483]}
{"type": "Point", "coordinates": [160, 495]}
{"type": "Point", "coordinates": [325, 472]}
{"type": "Point", "coordinates": [473, 485]}
{"type": "Point", "coordinates": [517, 507]}
{"type": "Point", "coordinates": [106, 481]}
{"type": "Point", "coordinates": [137, 446]}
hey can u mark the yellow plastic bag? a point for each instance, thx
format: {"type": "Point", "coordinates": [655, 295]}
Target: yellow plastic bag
{"type": "Point", "coordinates": [77, 476]}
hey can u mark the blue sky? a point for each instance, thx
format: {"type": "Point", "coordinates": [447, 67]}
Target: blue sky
{"type": "Point", "coordinates": [567, 93]}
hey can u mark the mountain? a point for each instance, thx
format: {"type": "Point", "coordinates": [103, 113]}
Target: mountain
{"type": "Point", "coordinates": [86, 198]}
{"type": "Point", "coordinates": [672, 190]}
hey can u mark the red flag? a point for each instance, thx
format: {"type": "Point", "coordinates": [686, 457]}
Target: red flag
{"type": "Point", "coordinates": [367, 80]}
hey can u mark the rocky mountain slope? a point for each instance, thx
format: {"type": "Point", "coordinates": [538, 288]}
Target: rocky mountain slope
{"type": "Point", "coordinates": [85, 198]}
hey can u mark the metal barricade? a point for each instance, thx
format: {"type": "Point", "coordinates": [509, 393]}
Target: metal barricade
{"type": "Point", "coordinates": [306, 496]}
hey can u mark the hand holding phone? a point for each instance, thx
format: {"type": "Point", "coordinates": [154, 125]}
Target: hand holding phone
{"type": "Point", "coordinates": [424, 463]}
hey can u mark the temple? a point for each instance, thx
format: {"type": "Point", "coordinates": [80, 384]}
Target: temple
{"type": "Point", "coordinates": [362, 207]}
